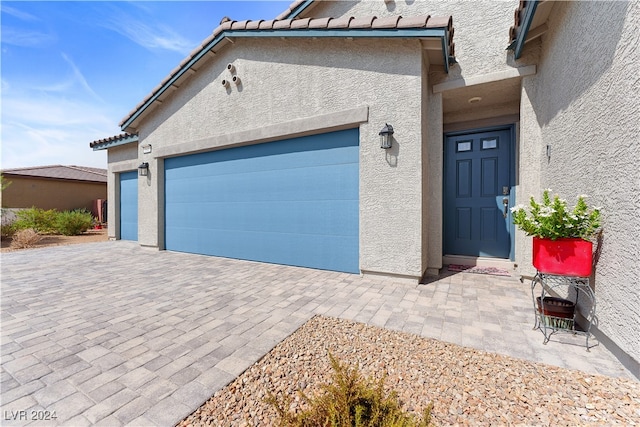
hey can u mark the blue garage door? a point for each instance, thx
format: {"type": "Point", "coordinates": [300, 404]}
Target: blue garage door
{"type": "Point", "coordinates": [129, 205]}
{"type": "Point", "coordinates": [292, 202]}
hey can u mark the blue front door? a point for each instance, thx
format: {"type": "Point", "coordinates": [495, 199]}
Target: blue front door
{"type": "Point", "coordinates": [477, 194]}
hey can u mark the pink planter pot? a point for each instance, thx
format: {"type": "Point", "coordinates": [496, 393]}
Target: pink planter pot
{"type": "Point", "coordinates": [567, 257]}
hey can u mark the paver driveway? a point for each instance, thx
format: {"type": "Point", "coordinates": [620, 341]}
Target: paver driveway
{"type": "Point", "coordinates": [112, 333]}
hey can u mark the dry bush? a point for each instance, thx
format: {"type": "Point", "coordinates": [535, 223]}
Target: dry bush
{"type": "Point", "coordinates": [351, 400]}
{"type": "Point", "coordinates": [25, 239]}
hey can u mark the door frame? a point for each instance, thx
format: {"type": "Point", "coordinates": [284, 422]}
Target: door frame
{"type": "Point", "coordinates": [512, 178]}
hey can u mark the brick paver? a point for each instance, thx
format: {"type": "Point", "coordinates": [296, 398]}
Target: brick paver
{"type": "Point", "coordinates": [115, 334]}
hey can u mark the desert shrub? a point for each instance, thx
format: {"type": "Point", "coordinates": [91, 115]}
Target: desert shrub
{"type": "Point", "coordinates": [7, 230]}
{"type": "Point", "coordinates": [40, 220]}
{"type": "Point", "coordinates": [72, 223]}
{"type": "Point", "coordinates": [349, 401]}
{"type": "Point", "coordinates": [26, 238]}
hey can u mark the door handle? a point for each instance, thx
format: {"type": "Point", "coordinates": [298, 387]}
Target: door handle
{"type": "Point", "coordinates": [505, 202]}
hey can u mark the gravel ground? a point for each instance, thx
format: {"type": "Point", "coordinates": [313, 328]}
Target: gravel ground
{"type": "Point", "coordinates": [89, 236]}
{"type": "Point", "coordinates": [466, 386]}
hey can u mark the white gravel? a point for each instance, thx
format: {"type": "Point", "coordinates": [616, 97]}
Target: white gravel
{"type": "Point", "coordinates": [466, 386]}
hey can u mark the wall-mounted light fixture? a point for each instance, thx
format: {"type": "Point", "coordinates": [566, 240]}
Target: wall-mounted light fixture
{"type": "Point", "coordinates": [143, 169]}
{"type": "Point", "coordinates": [386, 136]}
{"type": "Point", "coordinates": [146, 149]}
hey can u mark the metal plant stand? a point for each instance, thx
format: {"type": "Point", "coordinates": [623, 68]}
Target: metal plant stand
{"type": "Point", "coordinates": [551, 283]}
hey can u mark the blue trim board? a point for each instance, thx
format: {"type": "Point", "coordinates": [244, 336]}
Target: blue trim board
{"type": "Point", "coordinates": [529, 13]}
{"type": "Point", "coordinates": [355, 33]}
{"type": "Point", "coordinates": [292, 202]}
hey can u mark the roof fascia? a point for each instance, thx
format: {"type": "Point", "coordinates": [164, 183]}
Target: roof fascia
{"type": "Point", "coordinates": [116, 142]}
{"type": "Point", "coordinates": [529, 13]}
{"type": "Point", "coordinates": [298, 10]}
{"type": "Point", "coordinates": [441, 33]}
{"type": "Point", "coordinates": [339, 33]}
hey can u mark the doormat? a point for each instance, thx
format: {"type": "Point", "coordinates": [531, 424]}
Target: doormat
{"type": "Point", "coordinates": [476, 269]}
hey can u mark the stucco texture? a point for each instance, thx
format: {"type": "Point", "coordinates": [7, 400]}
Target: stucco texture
{"type": "Point", "coordinates": [481, 27]}
{"type": "Point", "coordinates": [285, 80]}
{"type": "Point", "coordinates": [584, 103]}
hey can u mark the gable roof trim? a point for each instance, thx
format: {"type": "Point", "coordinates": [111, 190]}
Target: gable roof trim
{"type": "Point", "coordinates": [295, 9]}
{"type": "Point", "coordinates": [113, 141]}
{"type": "Point", "coordinates": [389, 27]}
{"type": "Point", "coordinates": [523, 17]}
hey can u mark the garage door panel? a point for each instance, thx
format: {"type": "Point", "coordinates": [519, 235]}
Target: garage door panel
{"type": "Point", "coordinates": [292, 202]}
{"type": "Point", "coordinates": [273, 247]}
{"type": "Point", "coordinates": [310, 217]}
{"type": "Point", "coordinates": [129, 205]}
{"type": "Point", "coordinates": [330, 182]}
{"type": "Point", "coordinates": [313, 151]}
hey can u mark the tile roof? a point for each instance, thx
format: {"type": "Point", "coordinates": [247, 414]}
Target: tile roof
{"type": "Point", "coordinates": [112, 139]}
{"type": "Point", "coordinates": [517, 20]}
{"type": "Point", "coordinates": [331, 27]}
{"type": "Point", "coordinates": [75, 173]}
{"type": "Point", "coordinates": [529, 23]}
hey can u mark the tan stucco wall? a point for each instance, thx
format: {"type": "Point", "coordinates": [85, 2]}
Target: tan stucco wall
{"type": "Point", "coordinates": [481, 27]}
{"type": "Point", "coordinates": [289, 80]}
{"type": "Point", "coordinates": [62, 195]}
{"type": "Point", "coordinates": [481, 33]}
{"type": "Point", "coordinates": [584, 103]}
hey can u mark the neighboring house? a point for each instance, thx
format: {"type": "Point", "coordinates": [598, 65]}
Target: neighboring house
{"type": "Point", "coordinates": [263, 144]}
{"type": "Point", "coordinates": [54, 187]}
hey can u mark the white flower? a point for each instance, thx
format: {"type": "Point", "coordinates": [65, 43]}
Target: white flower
{"type": "Point", "coordinates": [546, 210]}
{"type": "Point", "coordinates": [583, 196]}
{"type": "Point", "coordinates": [516, 208]}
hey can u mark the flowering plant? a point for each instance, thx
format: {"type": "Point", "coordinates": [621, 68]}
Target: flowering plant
{"type": "Point", "coordinates": [553, 219]}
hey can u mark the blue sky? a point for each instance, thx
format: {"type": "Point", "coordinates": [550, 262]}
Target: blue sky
{"type": "Point", "coordinates": [72, 70]}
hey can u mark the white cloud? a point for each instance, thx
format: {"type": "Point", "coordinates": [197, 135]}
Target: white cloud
{"type": "Point", "coordinates": [79, 78]}
{"type": "Point", "coordinates": [41, 128]}
{"type": "Point", "coordinates": [37, 143]}
{"type": "Point", "coordinates": [148, 34]}
{"type": "Point", "coordinates": [17, 13]}
{"type": "Point", "coordinates": [25, 38]}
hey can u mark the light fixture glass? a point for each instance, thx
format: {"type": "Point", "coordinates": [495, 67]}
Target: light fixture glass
{"type": "Point", "coordinates": [386, 136]}
{"type": "Point", "coordinates": [143, 169]}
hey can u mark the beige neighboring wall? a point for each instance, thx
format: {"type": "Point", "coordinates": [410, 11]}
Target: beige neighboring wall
{"type": "Point", "coordinates": [59, 194]}
{"type": "Point", "coordinates": [307, 80]}
{"type": "Point", "coordinates": [584, 104]}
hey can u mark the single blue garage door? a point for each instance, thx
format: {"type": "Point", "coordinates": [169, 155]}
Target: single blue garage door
{"type": "Point", "coordinates": [129, 205]}
{"type": "Point", "coordinates": [292, 202]}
